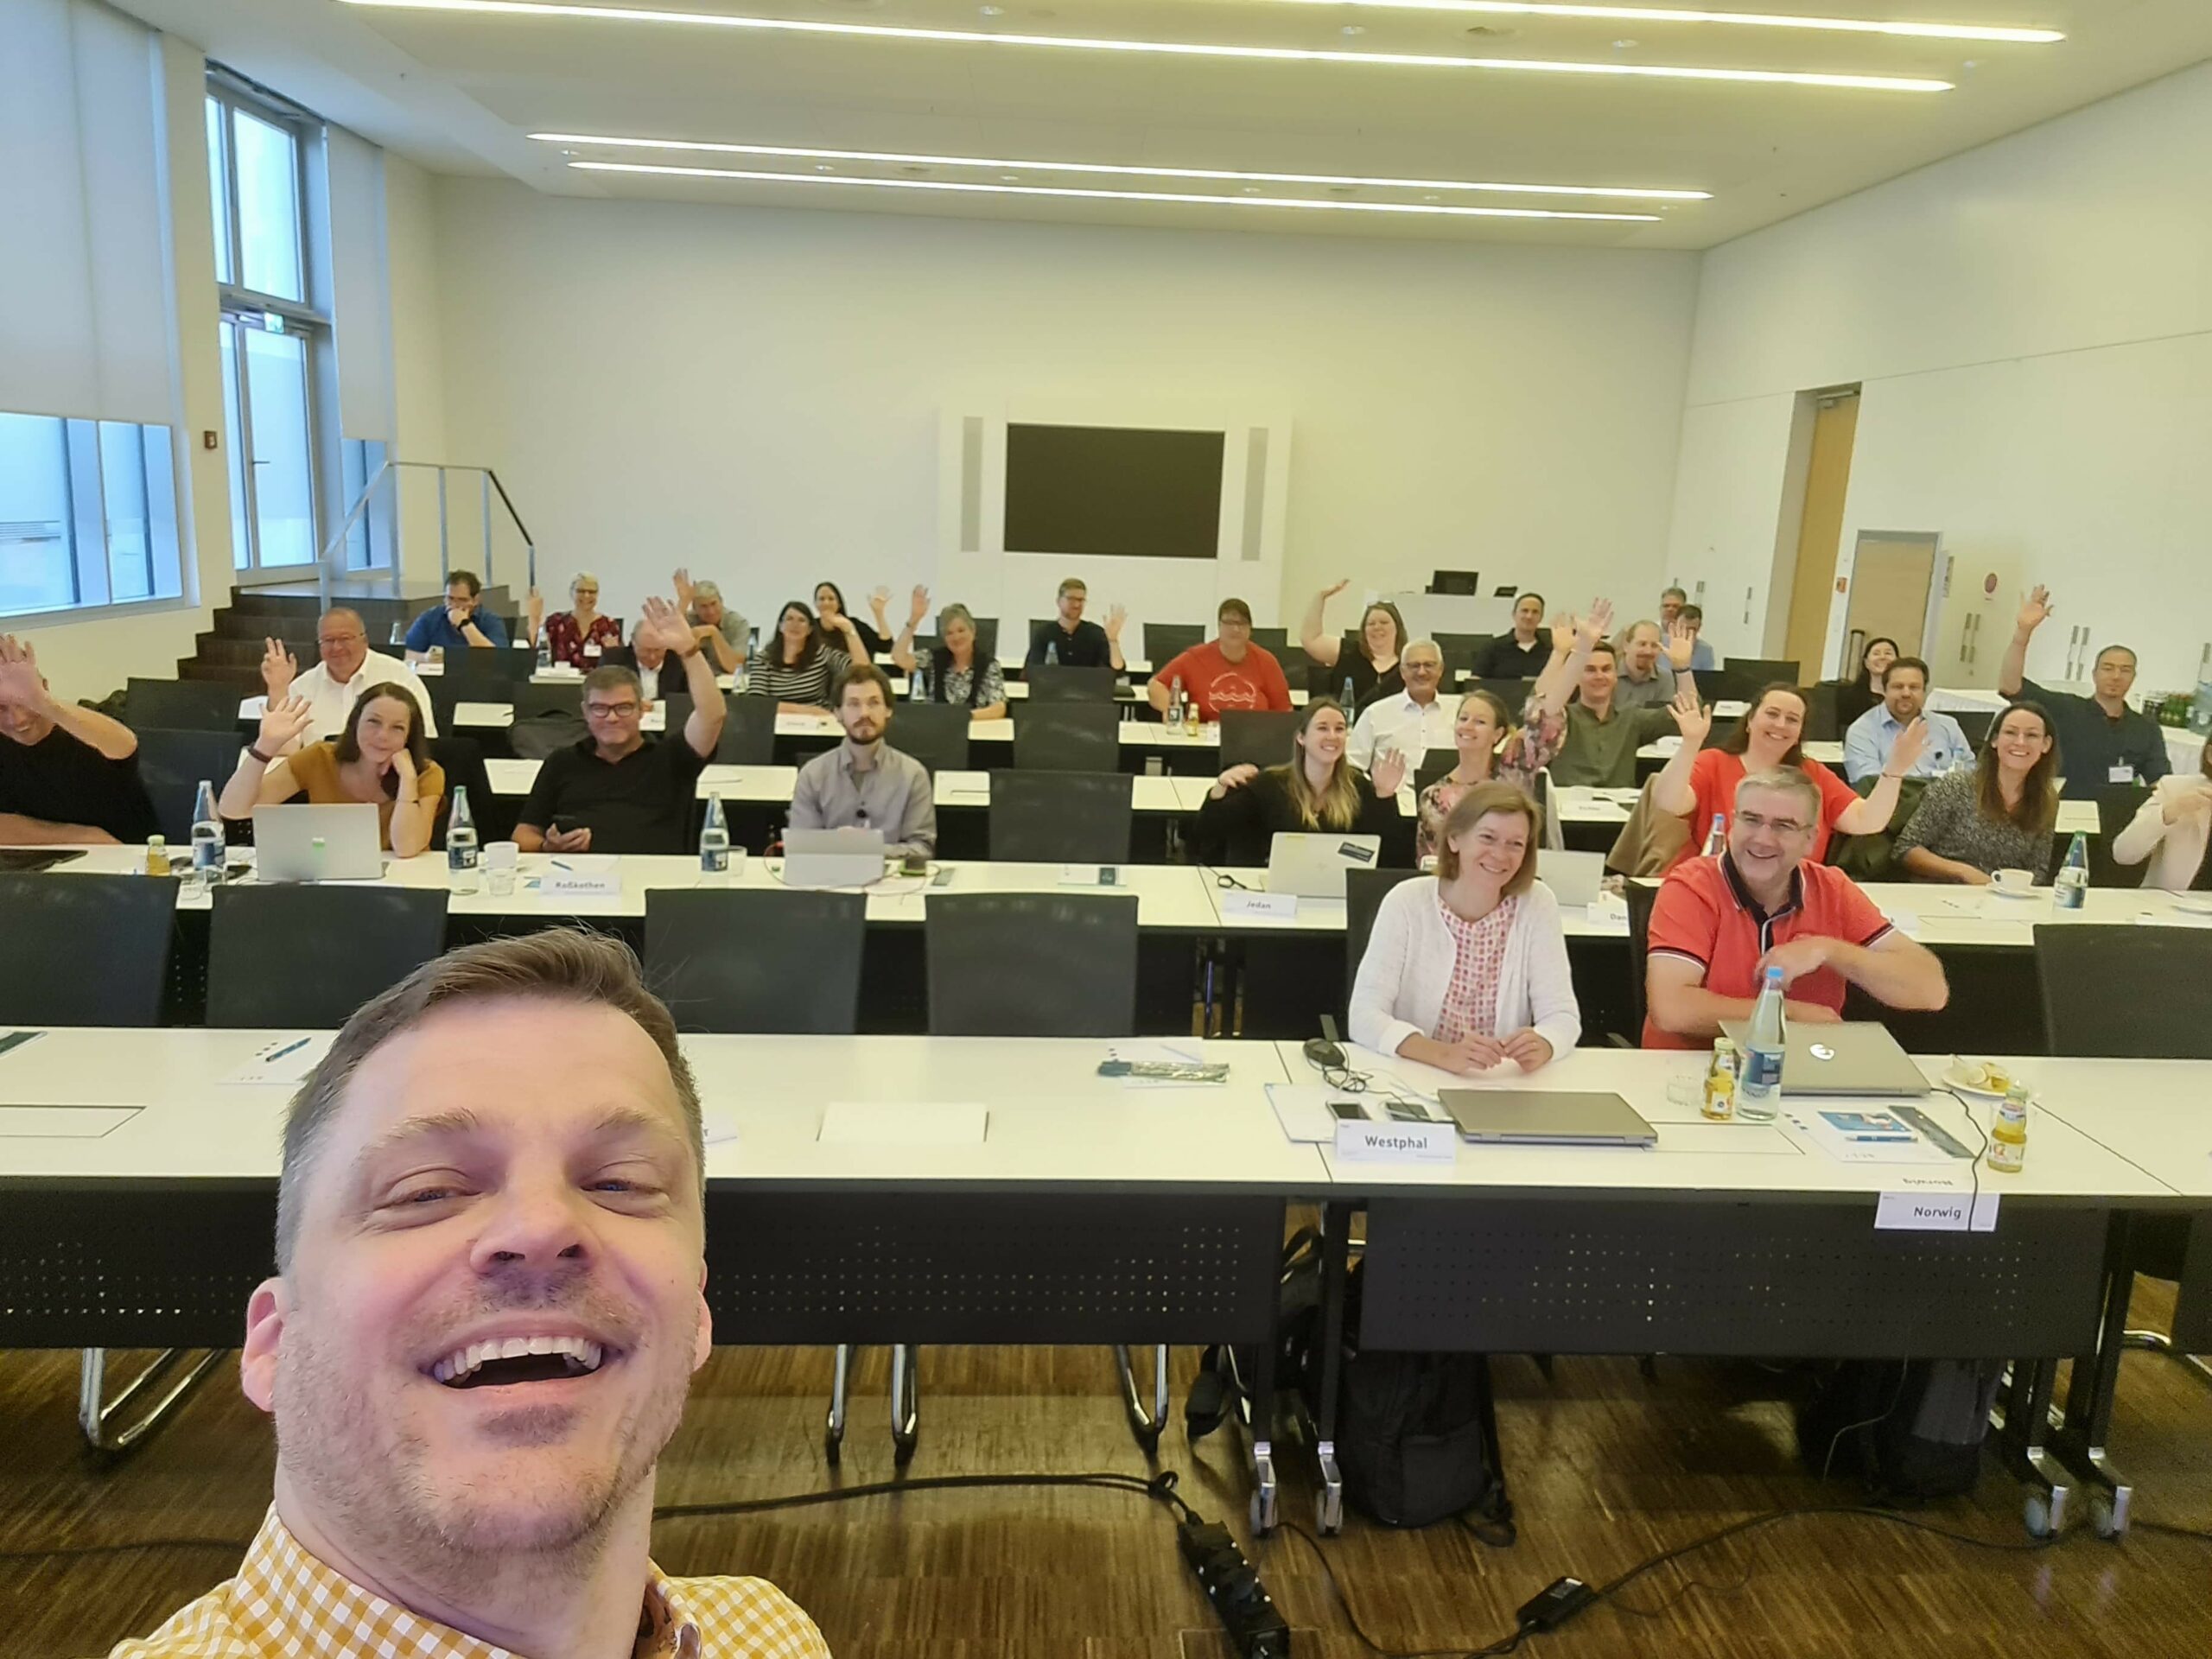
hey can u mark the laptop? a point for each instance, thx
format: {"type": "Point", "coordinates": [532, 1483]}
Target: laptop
{"type": "Point", "coordinates": [316, 843]}
{"type": "Point", "coordinates": [1536, 1117]}
{"type": "Point", "coordinates": [832, 858]}
{"type": "Point", "coordinates": [1574, 878]}
{"type": "Point", "coordinates": [1313, 866]}
{"type": "Point", "coordinates": [1859, 1057]}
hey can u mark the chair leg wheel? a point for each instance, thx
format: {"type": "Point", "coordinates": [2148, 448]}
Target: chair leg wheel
{"type": "Point", "coordinates": [833, 1448]}
{"type": "Point", "coordinates": [2036, 1515]}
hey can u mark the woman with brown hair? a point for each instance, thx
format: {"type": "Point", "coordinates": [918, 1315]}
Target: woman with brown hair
{"type": "Point", "coordinates": [1372, 668]}
{"type": "Point", "coordinates": [380, 760]}
{"type": "Point", "coordinates": [1997, 814]}
{"type": "Point", "coordinates": [1470, 970]}
{"type": "Point", "coordinates": [1247, 808]}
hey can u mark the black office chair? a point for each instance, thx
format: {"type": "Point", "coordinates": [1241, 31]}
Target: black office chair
{"type": "Point", "coordinates": [172, 765]}
{"type": "Point", "coordinates": [309, 956]}
{"type": "Point", "coordinates": [1275, 641]}
{"type": "Point", "coordinates": [1165, 641]}
{"type": "Point", "coordinates": [2118, 990]}
{"type": "Point", "coordinates": [461, 759]}
{"type": "Point", "coordinates": [50, 921]}
{"type": "Point", "coordinates": [757, 960]}
{"type": "Point", "coordinates": [935, 734]}
{"type": "Point", "coordinates": [1641, 895]}
{"type": "Point", "coordinates": [184, 705]}
{"type": "Point", "coordinates": [1258, 737]}
{"type": "Point", "coordinates": [1062, 818]}
{"type": "Point", "coordinates": [2117, 805]}
{"type": "Point", "coordinates": [1823, 723]}
{"type": "Point", "coordinates": [451, 689]}
{"type": "Point", "coordinates": [1365, 892]}
{"type": "Point", "coordinates": [986, 638]}
{"type": "Point", "coordinates": [1435, 764]}
{"type": "Point", "coordinates": [1031, 964]}
{"type": "Point", "coordinates": [1753, 672]}
{"type": "Point", "coordinates": [748, 736]}
{"type": "Point", "coordinates": [554, 697]}
{"type": "Point", "coordinates": [1067, 737]}
{"type": "Point", "coordinates": [1459, 650]}
{"type": "Point", "coordinates": [1055, 684]}
{"type": "Point", "coordinates": [1514, 693]}
{"type": "Point", "coordinates": [493, 662]}
{"type": "Point", "coordinates": [1973, 723]}
{"type": "Point", "coordinates": [538, 737]}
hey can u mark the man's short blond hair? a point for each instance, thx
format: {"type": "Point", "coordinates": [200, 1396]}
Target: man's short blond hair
{"type": "Point", "coordinates": [1073, 585]}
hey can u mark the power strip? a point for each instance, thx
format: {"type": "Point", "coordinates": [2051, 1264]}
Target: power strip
{"type": "Point", "coordinates": [1239, 1600]}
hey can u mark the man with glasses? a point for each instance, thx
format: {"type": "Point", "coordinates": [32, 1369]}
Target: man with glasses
{"type": "Point", "coordinates": [1226, 672]}
{"type": "Point", "coordinates": [334, 685]}
{"type": "Point", "coordinates": [1412, 721]}
{"type": "Point", "coordinates": [1720, 923]}
{"type": "Point", "coordinates": [459, 624]}
{"type": "Point", "coordinates": [619, 791]}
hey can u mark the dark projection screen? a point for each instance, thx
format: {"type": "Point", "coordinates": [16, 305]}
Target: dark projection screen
{"type": "Point", "coordinates": [1107, 490]}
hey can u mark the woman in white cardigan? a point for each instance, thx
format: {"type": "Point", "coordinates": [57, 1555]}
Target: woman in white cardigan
{"type": "Point", "coordinates": [2172, 830]}
{"type": "Point", "coordinates": [1470, 970]}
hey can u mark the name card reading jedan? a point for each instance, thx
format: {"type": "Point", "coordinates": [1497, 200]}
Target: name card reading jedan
{"type": "Point", "coordinates": [1936, 1212]}
{"type": "Point", "coordinates": [1397, 1143]}
{"type": "Point", "coordinates": [1279, 906]}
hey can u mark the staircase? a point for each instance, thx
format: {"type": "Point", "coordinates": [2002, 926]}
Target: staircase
{"type": "Point", "coordinates": [230, 650]}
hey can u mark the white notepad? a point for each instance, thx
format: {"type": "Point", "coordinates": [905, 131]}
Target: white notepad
{"type": "Point", "coordinates": [905, 1123]}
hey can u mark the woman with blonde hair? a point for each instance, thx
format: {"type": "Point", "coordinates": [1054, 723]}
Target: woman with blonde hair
{"type": "Point", "coordinates": [2172, 831]}
{"type": "Point", "coordinates": [577, 635]}
{"type": "Point", "coordinates": [1319, 790]}
{"type": "Point", "coordinates": [1469, 970]}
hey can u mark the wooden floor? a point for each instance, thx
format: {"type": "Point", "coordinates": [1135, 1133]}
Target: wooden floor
{"type": "Point", "coordinates": [1607, 1469]}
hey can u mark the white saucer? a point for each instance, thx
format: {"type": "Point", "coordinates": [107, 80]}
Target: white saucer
{"type": "Point", "coordinates": [2018, 893]}
{"type": "Point", "coordinates": [2196, 904]}
{"type": "Point", "coordinates": [1955, 1077]}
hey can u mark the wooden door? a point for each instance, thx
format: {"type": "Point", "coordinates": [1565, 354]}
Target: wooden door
{"type": "Point", "coordinates": [1820, 533]}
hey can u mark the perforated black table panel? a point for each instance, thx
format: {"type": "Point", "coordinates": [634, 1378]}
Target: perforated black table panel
{"type": "Point", "coordinates": [96, 1265]}
{"type": "Point", "coordinates": [959, 1267]}
{"type": "Point", "coordinates": [1604, 1275]}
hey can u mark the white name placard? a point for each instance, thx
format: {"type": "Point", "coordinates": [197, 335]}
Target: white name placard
{"type": "Point", "coordinates": [1936, 1212]}
{"type": "Point", "coordinates": [583, 876]}
{"type": "Point", "coordinates": [1281, 906]}
{"type": "Point", "coordinates": [1397, 1143]}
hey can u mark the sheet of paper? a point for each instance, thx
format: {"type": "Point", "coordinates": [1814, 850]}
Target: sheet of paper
{"type": "Point", "coordinates": [1302, 1109]}
{"type": "Point", "coordinates": [1906, 922]}
{"type": "Point", "coordinates": [62, 1122]}
{"type": "Point", "coordinates": [284, 1061]}
{"type": "Point", "coordinates": [721, 1126]}
{"type": "Point", "coordinates": [905, 1123]}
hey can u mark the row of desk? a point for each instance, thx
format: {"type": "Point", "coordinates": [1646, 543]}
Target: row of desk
{"type": "Point", "coordinates": [1155, 1215]}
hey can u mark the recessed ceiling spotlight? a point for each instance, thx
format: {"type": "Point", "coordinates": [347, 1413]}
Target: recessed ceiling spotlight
{"type": "Point", "coordinates": [992, 11]}
{"type": "Point", "coordinates": [1626, 46]}
{"type": "Point", "coordinates": [823, 167]}
{"type": "Point", "coordinates": [547, 8]}
{"type": "Point", "coordinates": [1353, 28]}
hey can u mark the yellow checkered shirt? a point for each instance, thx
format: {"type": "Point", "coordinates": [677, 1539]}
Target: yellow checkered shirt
{"type": "Point", "coordinates": [284, 1602]}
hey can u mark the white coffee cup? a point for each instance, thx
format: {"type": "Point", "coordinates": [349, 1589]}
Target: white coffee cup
{"type": "Point", "coordinates": [2013, 880]}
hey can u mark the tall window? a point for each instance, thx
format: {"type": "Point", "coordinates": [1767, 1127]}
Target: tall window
{"type": "Point", "coordinates": [87, 514]}
{"type": "Point", "coordinates": [275, 332]}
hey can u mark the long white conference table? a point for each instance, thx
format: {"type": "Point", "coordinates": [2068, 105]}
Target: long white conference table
{"type": "Point", "coordinates": [1003, 1191]}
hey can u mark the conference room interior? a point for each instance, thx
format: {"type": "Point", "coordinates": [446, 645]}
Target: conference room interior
{"type": "Point", "coordinates": [1137, 406]}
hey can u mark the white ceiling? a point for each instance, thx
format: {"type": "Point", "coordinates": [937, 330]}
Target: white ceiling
{"type": "Point", "coordinates": [461, 93]}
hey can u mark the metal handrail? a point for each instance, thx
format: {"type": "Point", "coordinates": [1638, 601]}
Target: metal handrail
{"type": "Point", "coordinates": [389, 468]}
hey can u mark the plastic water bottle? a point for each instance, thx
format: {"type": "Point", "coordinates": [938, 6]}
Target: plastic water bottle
{"type": "Point", "coordinates": [742, 681]}
{"type": "Point", "coordinates": [544, 653]}
{"type": "Point", "coordinates": [1175, 703]}
{"type": "Point", "coordinates": [1716, 840]}
{"type": "Point", "coordinates": [1052, 653]}
{"type": "Point", "coordinates": [1759, 1091]}
{"type": "Point", "coordinates": [714, 845]}
{"type": "Point", "coordinates": [1347, 697]}
{"type": "Point", "coordinates": [2071, 889]}
{"type": "Point", "coordinates": [463, 869]}
{"type": "Point", "coordinates": [206, 837]}
{"type": "Point", "coordinates": [399, 632]}
{"type": "Point", "coordinates": [917, 687]}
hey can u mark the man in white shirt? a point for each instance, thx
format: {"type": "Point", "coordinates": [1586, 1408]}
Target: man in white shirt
{"type": "Point", "coordinates": [1414, 720]}
{"type": "Point", "coordinates": [334, 685]}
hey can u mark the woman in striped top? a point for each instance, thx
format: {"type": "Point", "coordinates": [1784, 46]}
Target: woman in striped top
{"type": "Point", "coordinates": [798, 667]}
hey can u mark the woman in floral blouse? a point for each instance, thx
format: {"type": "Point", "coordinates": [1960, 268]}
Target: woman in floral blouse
{"type": "Point", "coordinates": [575, 636]}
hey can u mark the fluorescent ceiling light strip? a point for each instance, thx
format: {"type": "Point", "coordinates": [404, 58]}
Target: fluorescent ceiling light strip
{"type": "Point", "coordinates": [2007, 34]}
{"type": "Point", "coordinates": [1433, 209]}
{"type": "Point", "coordinates": [1172, 48]}
{"type": "Point", "coordinates": [899, 158]}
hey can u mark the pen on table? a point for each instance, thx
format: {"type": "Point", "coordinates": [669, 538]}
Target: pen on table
{"type": "Point", "coordinates": [289, 1048]}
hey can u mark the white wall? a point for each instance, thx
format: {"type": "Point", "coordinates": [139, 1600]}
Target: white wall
{"type": "Point", "coordinates": [418, 362]}
{"type": "Point", "coordinates": [2032, 325]}
{"type": "Point", "coordinates": [757, 393]}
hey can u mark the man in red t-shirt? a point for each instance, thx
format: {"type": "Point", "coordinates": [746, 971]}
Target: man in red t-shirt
{"type": "Point", "coordinates": [1227, 672]}
{"type": "Point", "coordinates": [1720, 922]}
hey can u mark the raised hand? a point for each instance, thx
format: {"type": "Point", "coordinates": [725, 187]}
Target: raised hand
{"type": "Point", "coordinates": [1681, 645]}
{"type": "Point", "coordinates": [877, 600]}
{"type": "Point", "coordinates": [20, 684]}
{"type": "Point", "coordinates": [685, 592]}
{"type": "Point", "coordinates": [1907, 750]}
{"type": "Point", "coordinates": [1114, 618]}
{"type": "Point", "coordinates": [1691, 718]}
{"type": "Point", "coordinates": [661, 624]}
{"type": "Point", "coordinates": [1565, 628]}
{"type": "Point", "coordinates": [283, 720]}
{"type": "Point", "coordinates": [1235, 777]}
{"type": "Point", "coordinates": [1527, 1050]}
{"type": "Point", "coordinates": [535, 609]}
{"type": "Point", "coordinates": [1388, 774]}
{"type": "Point", "coordinates": [1336, 587]}
{"type": "Point", "coordinates": [278, 669]}
{"type": "Point", "coordinates": [920, 607]}
{"type": "Point", "coordinates": [1600, 623]}
{"type": "Point", "coordinates": [2036, 609]}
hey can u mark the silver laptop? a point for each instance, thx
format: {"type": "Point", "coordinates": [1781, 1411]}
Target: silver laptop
{"type": "Point", "coordinates": [1859, 1057]}
{"type": "Point", "coordinates": [832, 858]}
{"type": "Point", "coordinates": [316, 843]}
{"type": "Point", "coordinates": [1574, 878]}
{"type": "Point", "coordinates": [1313, 866]}
{"type": "Point", "coordinates": [1536, 1117]}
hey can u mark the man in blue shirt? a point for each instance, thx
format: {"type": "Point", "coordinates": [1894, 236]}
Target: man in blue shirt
{"type": "Point", "coordinates": [1866, 746]}
{"type": "Point", "coordinates": [462, 621]}
{"type": "Point", "coordinates": [1703, 660]}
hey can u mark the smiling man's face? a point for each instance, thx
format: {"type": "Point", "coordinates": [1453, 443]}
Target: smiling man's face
{"type": "Point", "coordinates": [445, 1219]}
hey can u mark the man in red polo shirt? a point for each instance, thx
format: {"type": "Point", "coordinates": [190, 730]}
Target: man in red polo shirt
{"type": "Point", "coordinates": [1720, 922]}
{"type": "Point", "coordinates": [1227, 672]}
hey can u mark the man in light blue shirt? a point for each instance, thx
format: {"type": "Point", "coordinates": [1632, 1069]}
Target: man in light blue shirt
{"type": "Point", "coordinates": [1866, 746]}
{"type": "Point", "coordinates": [1702, 661]}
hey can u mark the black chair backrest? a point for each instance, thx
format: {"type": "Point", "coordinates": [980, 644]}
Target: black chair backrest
{"type": "Point", "coordinates": [1514, 693]}
{"type": "Point", "coordinates": [537, 736]}
{"type": "Point", "coordinates": [748, 736]}
{"type": "Point", "coordinates": [935, 734]}
{"type": "Point", "coordinates": [1062, 818]}
{"type": "Point", "coordinates": [757, 960]}
{"type": "Point", "coordinates": [493, 663]}
{"type": "Point", "coordinates": [617, 656]}
{"type": "Point", "coordinates": [172, 765]}
{"type": "Point", "coordinates": [1974, 722]}
{"type": "Point", "coordinates": [1275, 641]}
{"type": "Point", "coordinates": [185, 705]}
{"type": "Point", "coordinates": [1032, 965]}
{"type": "Point", "coordinates": [1068, 737]}
{"type": "Point", "coordinates": [1165, 641]}
{"type": "Point", "coordinates": [1459, 650]}
{"type": "Point", "coordinates": [986, 638]}
{"type": "Point", "coordinates": [309, 956]}
{"type": "Point", "coordinates": [2125, 992]}
{"type": "Point", "coordinates": [50, 921]}
{"type": "Point", "coordinates": [1051, 683]}
{"type": "Point", "coordinates": [554, 697]}
{"type": "Point", "coordinates": [1434, 764]}
{"type": "Point", "coordinates": [450, 689]}
{"type": "Point", "coordinates": [1365, 892]}
{"type": "Point", "coordinates": [1756, 672]}
{"type": "Point", "coordinates": [1258, 737]}
{"type": "Point", "coordinates": [1823, 724]}
{"type": "Point", "coordinates": [2117, 804]}
{"type": "Point", "coordinates": [1642, 894]}
{"type": "Point", "coordinates": [461, 759]}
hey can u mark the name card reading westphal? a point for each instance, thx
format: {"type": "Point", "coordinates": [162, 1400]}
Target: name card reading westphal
{"type": "Point", "coordinates": [1935, 1212]}
{"type": "Point", "coordinates": [1281, 906]}
{"type": "Point", "coordinates": [1397, 1143]}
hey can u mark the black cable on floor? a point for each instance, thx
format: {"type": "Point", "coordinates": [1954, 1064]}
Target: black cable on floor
{"type": "Point", "coordinates": [1160, 1488]}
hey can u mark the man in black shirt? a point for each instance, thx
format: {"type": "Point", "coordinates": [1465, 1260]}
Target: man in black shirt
{"type": "Point", "coordinates": [1522, 654]}
{"type": "Point", "coordinates": [1070, 642]}
{"type": "Point", "coordinates": [68, 775]}
{"type": "Point", "coordinates": [617, 791]}
{"type": "Point", "coordinates": [2103, 743]}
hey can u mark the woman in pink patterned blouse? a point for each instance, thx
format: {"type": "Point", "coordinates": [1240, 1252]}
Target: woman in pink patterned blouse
{"type": "Point", "coordinates": [1490, 748]}
{"type": "Point", "coordinates": [1469, 970]}
{"type": "Point", "coordinates": [578, 635]}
